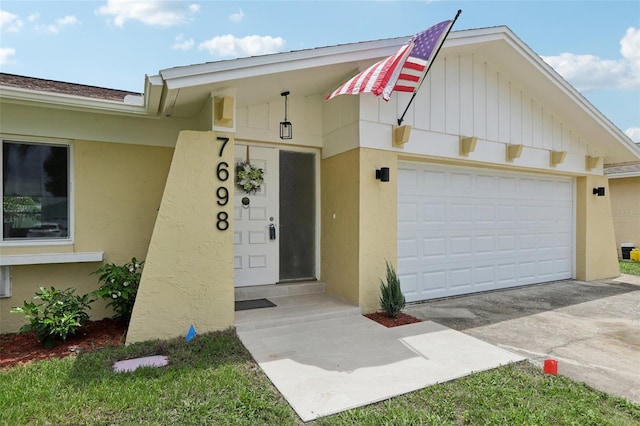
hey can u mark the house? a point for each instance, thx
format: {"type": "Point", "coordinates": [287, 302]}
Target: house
{"type": "Point", "coordinates": [624, 184]}
{"type": "Point", "coordinates": [492, 180]}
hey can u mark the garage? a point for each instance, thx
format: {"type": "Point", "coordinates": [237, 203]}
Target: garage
{"type": "Point", "coordinates": [465, 230]}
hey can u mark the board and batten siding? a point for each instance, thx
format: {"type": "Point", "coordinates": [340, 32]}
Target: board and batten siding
{"type": "Point", "coordinates": [467, 95]}
{"type": "Point", "coordinates": [481, 101]}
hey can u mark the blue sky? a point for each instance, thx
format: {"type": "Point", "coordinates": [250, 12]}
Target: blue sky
{"type": "Point", "coordinates": [595, 45]}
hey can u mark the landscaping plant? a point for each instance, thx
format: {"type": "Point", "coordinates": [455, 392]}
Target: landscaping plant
{"type": "Point", "coordinates": [392, 300]}
{"type": "Point", "coordinates": [61, 314]}
{"type": "Point", "coordinates": [120, 286]}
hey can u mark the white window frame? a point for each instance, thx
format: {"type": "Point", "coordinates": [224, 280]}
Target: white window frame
{"type": "Point", "coordinates": [5, 281]}
{"type": "Point", "coordinates": [71, 197]}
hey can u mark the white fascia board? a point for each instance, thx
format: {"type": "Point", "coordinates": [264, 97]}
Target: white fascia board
{"type": "Point", "coordinates": [623, 175]}
{"type": "Point", "coordinates": [153, 86]}
{"type": "Point", "coordinates": [47, 258]}
{"type": "Point", "coordinates": [69, 101]}
{"type": "Point", "coordinates": [214, 72]}
{"type": "Point", "coordinates": [475, 36]}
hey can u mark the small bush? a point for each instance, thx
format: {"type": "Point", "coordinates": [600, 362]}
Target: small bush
{"type": "Point", "coordinates": [120, 286]}
{"type": "Point", "coordinates": [60, 315]}
{"type": "Point", "coordinates": [392, 300]}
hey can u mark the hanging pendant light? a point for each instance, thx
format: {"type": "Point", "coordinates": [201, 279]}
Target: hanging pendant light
{"type": "Point", "coordinates": [286, 128]}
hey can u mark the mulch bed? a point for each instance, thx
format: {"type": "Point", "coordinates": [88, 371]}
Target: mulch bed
{"type": "Point", "coordinates": [388, 322]}
{"type": "Point", "coordinates": [16, 349]}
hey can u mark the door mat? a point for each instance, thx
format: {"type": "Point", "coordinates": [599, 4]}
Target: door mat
{"type": "Point", "coordinates": [254, 304]}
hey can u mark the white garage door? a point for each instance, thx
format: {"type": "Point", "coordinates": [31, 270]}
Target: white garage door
{"type": "Point", "coordinates": [464, 230]}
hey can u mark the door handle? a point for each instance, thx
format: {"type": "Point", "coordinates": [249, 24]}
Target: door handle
{"type": "Point", "coordinates": [272, 231]}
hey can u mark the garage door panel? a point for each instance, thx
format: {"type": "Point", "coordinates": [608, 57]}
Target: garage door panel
{"type": "Point", "coordinates": [434, 214]}
{"type": "Point", "coordinates": [478, 230]}
{"type": "Point", "coordinates": [409, 285]}
{"type": "Point", "coordinates": [564, 266]}
{"type": "Point", "coordinates": [435, 249]}
{"type": "Point", "coordinates": [408, 212]}
{"type": "Point", "coordinates": [431, 182]}
{"type": "Point", "coordinates": [485, 244]}
{"type": "Point", "coordinates": [461, 278]}
{"type": "Point", "coordinates": [485, 276]}
{"type": "Point", "coordinates": [485, 214]}
{"type": "Point", "coordinates": [410, 177]}
{"type": "Point", "coordinates": [460, 213]}
{"type": "Point", "coordinates": [433, 283]}
{"type": "Point", "coordinates": [527, 270]}
{"type": "Point", "coordinates": [407, 249]}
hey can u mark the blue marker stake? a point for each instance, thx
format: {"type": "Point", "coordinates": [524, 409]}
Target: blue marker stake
{"type": "Point", "coordinates": [191, 334]}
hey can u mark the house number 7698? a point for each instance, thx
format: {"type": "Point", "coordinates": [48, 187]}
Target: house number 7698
{"type": "Point", "coordinates": [222, 193]}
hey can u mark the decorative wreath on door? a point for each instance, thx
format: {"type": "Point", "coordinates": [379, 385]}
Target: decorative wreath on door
{"type": "Point", "coordinates": [249, 178]}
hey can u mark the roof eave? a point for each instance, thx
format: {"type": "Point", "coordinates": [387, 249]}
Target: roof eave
{"type": "Point", "coordinates": [213, 72]}
{"type": "Point", "coordinates": [35, 97]}
{"type": "Point", "coordinates": [624, 175]}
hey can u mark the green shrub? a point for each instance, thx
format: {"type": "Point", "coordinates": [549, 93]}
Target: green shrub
{"type": "Point", "coordinates": [60, 315]}
{"type": "Point", "coordinates": [120, 286]}
{"type": "Point", "coordinates": [392, 300]}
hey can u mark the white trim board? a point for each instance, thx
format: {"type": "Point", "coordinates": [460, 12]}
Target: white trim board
{"type": "Point", "coordinates": [45, 258]}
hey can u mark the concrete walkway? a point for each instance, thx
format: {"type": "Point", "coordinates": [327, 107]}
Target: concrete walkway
{"type": "Point", "coordinates": [335, 363]}
{"type": "Point", "coordinates": [591, 328]}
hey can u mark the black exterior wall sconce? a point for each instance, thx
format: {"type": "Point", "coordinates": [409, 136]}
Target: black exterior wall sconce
{"type": "Point", "coordinates": [382, 174]}
{"type": "Point", "coordinates": [599, 191]}
{"type": "Point", "coordinates": [286, 128]}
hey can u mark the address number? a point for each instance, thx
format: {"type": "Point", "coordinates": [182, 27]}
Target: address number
{"type": "Point", "coordinates": [222, 193]}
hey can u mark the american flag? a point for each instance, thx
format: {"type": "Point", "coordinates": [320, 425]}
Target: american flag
{"type": "Point", "coordinates": [400, 72]}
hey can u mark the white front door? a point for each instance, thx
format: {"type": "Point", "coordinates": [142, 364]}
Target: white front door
{"type": "Point", "coordinates": [256, 252]}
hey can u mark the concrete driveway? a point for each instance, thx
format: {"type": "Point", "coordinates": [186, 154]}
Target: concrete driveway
{"type": "Point", "coordinates": [591, 328]}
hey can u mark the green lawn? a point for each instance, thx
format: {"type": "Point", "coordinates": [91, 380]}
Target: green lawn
{"type": "Point", "coordinates": [629, 267]}
{"type": "Point", "coordinates": [213, 380]}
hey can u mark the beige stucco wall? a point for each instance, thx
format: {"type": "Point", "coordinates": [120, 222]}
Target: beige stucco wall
{"type": "Point", "coordinates": [26, 280]}
{"type": "Point", "coordinates": [188, 275]}
{"type": "Point", "coordinates": [117, 191]}
{"type": "Point", "coordinates": [595, 237]}
{"type": "Point", "coordinates": [359, 224]}
{"type": "Point", "coordinates": [378, 224]}
{"type": "Point", "coordinates": [625, 210]}
{"type": "Point", "coordinates": [340, 210]}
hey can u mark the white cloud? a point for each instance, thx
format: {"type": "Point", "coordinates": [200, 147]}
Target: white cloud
{"type": "Point", "coordinates": [231, 46]}
{"type": "Point", "coordinates": [67, 20]}
{"type": "Point", "coordinates": [10, 22]}
{"type": "Point", "coordinates": [633, 133]}
{"type": "Point", "coordinates": [589, 72]}
{"type": "Point", "coordinates": [630, 50]}
{"type": "Point", "coordinates": [236, 17]}
{"type": "Point", "coordinates": [182, 43]}
{"type": "Point", "coordinates": [160, 13]}
{"type": "Point", "coordinates": [6, 54]}
{"type": "Point", "coordinates": [58, 24]}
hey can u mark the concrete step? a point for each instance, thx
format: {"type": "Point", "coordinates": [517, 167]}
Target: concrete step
{"type": "Point", "coordinates": [278, 290]}
{"type": "Point", "coordinates": [290, 310]}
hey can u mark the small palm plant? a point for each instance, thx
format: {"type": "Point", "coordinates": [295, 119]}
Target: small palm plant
{"type": "Point", "coordinates": [392, 300]}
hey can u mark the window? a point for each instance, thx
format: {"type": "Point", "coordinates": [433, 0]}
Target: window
{"type": "Point", "coordinates": [35, 191]}
{"type": "Point", "coordinates": [5, 281]}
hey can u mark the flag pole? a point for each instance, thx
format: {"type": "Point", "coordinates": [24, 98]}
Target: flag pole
{"type": "Point", "coordinates": [401, 119]}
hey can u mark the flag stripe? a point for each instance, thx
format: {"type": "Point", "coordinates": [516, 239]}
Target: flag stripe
{"type": "Point", "coordinates": [402, 88]}
{"type": "Point", "coordinates": [409, 77]}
